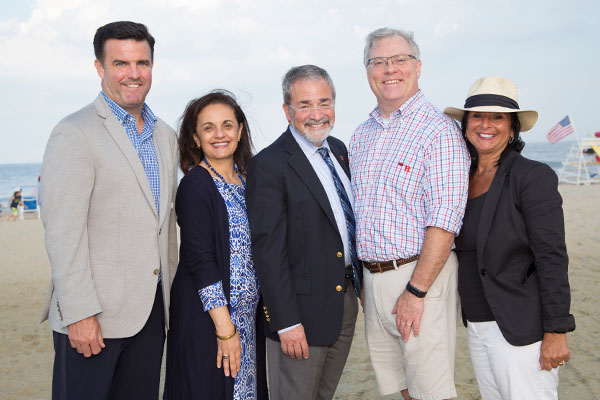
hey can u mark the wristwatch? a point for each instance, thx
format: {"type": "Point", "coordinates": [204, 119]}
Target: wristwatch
{"type": "Point", "coordinates": [419, 293]}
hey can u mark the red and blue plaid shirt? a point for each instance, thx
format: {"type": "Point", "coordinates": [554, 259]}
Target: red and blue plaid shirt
{"type": "Point", "coordinates": [406, 176]}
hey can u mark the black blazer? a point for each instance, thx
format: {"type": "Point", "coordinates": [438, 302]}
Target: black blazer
{"type": "Point", "coordinates": [203, 260]}
{"type": "Point", "coordinates": [521, 252]}
{"type": "Point", "coordinates": [296, 245]}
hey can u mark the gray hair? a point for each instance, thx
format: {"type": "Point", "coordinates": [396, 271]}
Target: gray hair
{"type": "Point", "coordinates": [303, 72]}
{"type": "Point", "coordinates": [383, 33]}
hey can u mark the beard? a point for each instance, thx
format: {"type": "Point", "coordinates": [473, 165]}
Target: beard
{"type": "Point", "coordinates": [316, 137]}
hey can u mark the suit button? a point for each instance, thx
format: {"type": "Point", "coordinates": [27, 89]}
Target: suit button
{"type": "Point", "coordinates": [160, 231]}
{"type": "Point", "coordinates": [482, 272]}
{"type": "Point", "coordinates": [339, 254]}
{"type": "Point", "coordinates": [338, 288]}
{"type": "Point", "coordinates": [156, 271]}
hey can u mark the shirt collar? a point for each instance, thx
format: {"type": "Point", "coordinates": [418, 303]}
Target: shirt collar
{"type": "Point", "coordinates": [307, 147]}
{"type": "Point", "coordinates": [407, 108]}
{"type": "Point", "coordinates": [123, 116]}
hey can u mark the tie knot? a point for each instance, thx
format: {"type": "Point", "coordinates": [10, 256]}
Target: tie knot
{"type": "Point", "coordinates": [323, 151]}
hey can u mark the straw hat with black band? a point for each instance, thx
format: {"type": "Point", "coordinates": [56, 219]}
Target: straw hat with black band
{"type": "Point", "coordinates": [494, 94]}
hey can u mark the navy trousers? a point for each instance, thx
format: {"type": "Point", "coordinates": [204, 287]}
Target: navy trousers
{"type": "Point", "coordinates": [127, 368]}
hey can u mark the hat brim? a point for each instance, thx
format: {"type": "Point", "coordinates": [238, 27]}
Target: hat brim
{"type": "Point", "coordinates": [528, 118]}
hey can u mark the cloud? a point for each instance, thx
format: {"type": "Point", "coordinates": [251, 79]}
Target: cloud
{"type": "Point", "coordinates": [247, 45]}
{"type": "Point", "coordinates": [445, 28]}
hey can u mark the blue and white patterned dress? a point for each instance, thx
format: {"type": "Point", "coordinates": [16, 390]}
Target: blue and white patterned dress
{"type": "Point", "coordinates": [244, 289]}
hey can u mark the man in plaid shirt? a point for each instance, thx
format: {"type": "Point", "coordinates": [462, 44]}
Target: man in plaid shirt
{"type": "Point", "coordinates": [409, 169]}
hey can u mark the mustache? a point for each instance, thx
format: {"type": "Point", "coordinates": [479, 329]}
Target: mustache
{"type": "Point", "coordinates": [323, 120]}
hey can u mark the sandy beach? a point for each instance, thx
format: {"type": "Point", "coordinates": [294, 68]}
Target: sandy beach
{"type": "Point", "coordinates": [26, 345]}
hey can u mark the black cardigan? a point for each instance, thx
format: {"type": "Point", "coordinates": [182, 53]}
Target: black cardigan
{"type": "Point", "coordinates": [204, 259]}
{"type": "Point", "coordinates": [521, 252]}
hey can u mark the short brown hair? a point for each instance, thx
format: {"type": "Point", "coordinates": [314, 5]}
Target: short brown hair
{"type": "Point", "coordinates": [121, 30]}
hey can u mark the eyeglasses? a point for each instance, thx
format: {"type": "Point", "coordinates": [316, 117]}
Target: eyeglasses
{"type": "Point", "coordinates": [397, 61]}
{"type": "Point", "coordinates": [306, 109]}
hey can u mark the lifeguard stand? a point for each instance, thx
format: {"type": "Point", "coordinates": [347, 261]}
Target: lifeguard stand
{"type": "Point", "coordinates": [581, 167]}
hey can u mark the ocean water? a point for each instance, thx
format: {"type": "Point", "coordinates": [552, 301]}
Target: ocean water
{"type": "Point", "coordinates": [26, 175]}
{"type": "Point", "coordinates": [12, 176]}
{"type": "Point", "coordinates": [551, 154]}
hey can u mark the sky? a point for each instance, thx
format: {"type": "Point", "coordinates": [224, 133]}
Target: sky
{"type": "Point", "coordinates": [550, 49]}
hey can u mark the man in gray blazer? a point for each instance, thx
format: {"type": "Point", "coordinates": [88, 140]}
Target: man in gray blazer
{"type": "Point", "coordinates": [108, 181]}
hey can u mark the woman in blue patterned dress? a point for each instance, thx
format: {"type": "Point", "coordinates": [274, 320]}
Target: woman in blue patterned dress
{"type": "Point", "coordinates": [215, 347]}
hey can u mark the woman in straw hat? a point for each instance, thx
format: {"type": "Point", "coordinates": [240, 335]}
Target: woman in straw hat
{"type": "Point", "coordinates": [513, 261]}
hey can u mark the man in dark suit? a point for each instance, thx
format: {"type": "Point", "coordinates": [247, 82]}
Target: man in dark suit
{"type": "Point", "coordinates": [300, 210]}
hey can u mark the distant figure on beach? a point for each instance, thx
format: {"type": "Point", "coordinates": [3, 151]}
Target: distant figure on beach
{"type": "Point", "coordinates": [512, 274]}
{"type": "Point", "coordinates": [108, 182]}
{"type": "Point", "coordinates": [302, 223]}
{"type": "Point", "coordinates": [214, 349]}
{"type": "Point", "coordinates": [409, 169]}
{"type": "Point", "coordinates": [15, 201]}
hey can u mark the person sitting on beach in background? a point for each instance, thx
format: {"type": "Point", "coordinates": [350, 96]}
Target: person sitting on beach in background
{"type": "Point", "coordinates": [302, 224]}
{"type": "Point", "coordinates": [409, 170]}
{"type": "Point", "coordinates": [512, 274]}
{"type": "Point", "coordinates": [15, 201]}
{"type": "Point", "coordinates": [108, 182]}
{"type": "Point", "coordinates": [214, 349]}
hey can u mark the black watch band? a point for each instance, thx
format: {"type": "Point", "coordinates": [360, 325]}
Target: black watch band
{"type": "Point", "coordinates": [420, 294]}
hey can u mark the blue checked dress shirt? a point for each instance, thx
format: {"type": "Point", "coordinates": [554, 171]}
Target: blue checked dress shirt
{"type": "Point", "coordinates": [349, 214]}
{"type": "Point", "coordinates": [142, 143]}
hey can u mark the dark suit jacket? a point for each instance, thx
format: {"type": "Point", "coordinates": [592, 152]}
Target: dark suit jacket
{"type": "Point", "coordinates": [296, 245]}
{"type": "Point", "coordinates": [521, 252]}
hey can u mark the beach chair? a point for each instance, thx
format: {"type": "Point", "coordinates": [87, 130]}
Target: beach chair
{"type": "Point", "coordinates": [31, 205]}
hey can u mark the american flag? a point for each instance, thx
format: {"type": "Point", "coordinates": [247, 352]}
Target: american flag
{"type": "Point", "coordinates": [560, 130]}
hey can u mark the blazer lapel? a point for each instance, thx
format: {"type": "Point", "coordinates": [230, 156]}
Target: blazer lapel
{"type": "Point", "coordinates": [340, 156]}
{"type": "Point", "coordinates": [118, 134]}
{"type": "Point", "coordinates": [489, 205]}
{"type": "Point", "coordinates": [161, 146]}
{"type": "Point", "coordinates": [305, 171]}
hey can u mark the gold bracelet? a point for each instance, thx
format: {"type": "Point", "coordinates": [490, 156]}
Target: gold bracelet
{"type": "Point", "coordinates": [226, 337]}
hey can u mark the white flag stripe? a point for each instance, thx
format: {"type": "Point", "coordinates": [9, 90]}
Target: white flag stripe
{"type": "Point", "coordinates": [561, 130]}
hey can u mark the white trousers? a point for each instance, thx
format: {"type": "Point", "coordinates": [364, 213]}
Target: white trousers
{"type": "Point", "coordinates": [507, 372]}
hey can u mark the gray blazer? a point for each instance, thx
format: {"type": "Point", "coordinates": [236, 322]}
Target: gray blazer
{"type": "Point", "coordinates": [104, 240]}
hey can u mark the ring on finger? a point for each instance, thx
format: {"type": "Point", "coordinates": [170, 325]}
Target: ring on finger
{"type": "Point", "coordinates": [225, 357]}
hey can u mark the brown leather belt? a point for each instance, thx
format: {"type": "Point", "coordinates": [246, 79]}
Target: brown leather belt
{"type": "Point", "coordinates": [382, 266]}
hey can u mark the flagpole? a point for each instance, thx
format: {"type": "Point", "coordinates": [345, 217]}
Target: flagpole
{"type": "Point", "coordinates": [581, 158]}
{"type": "Point", "coordinates": [575, 130]}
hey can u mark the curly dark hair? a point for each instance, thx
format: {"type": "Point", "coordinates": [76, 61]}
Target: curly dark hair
{"type": "Point", "coordinates": [516, 145]}
{"type": "Point", "coordinates": [189, 154]}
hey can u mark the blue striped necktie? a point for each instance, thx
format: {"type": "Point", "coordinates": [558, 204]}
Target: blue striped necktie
{"type": "Point", "coordinates": [349, 214]}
